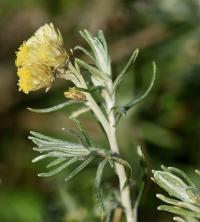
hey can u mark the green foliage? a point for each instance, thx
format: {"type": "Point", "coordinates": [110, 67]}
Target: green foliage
{"type": "Point", "coordinates": [185, 195]}
{"type": "Point", "coordinates": [68, 153]}
{"type": "Point", "coordinates": [122, 110]}
{"type": "Point", "coordinates": [57, 107]}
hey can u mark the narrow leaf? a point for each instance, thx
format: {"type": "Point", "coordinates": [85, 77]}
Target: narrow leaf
{"type": "Point", "coordinates": [50, 154]}
{"type": "Point", "coordinates": [57, 170]}
{"type": "Point", "coordinates": [89, 38]}
{"type": "Point", "coordinates": [95, 72]}
{"type": "Point", "coordinates": [172, 184]}
{"type": "Point", "coordinates": [79, 168]}
{"type": "Point", "coordinates": [198, 172]}
{"type": "Point", "coordinates": [91, 90]}
{"type": "Point", "coordinates": [57, 107]}
{"type": "Point", "coordinates": [182, 174]}
{"type": "Point", "coordinates": [194, 194]}
{"type": "Point", "coordinates": [178, 203]}
{"type": "Point", "coordinates": [179, 219]}
{"type": "Point", "coordinates": [64, 151]}
{"type": "Point", "coordinates": [125, 69]}
{"type": "Point", "coordinates": [146, 93]}
{"type": "Point", "coordinates": [98, 178]}
{"type": "Point", "coordinates": [79, 112]}
{"type": "Point", "coordinates": [179, 211]}
{"type": "Point", "coordinates": [122, 110]}
{"type": "Point", "coordinates": [124, 163]}
{"type": "Point", "coordinates": [103, 41]}
{"type": "Point", "coordinates": [143, 183]}
{"type": "Point", "coordinates": [78, 47]}
{"type": "Point", "coordinates": [56, 162]}
{"type": "Point", "coordinates": [85, 138]}
{"type": "Point", "coordinates": [48, 138]}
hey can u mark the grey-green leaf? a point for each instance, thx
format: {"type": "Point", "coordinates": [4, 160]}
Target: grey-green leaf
{"type": "Point", "coordinates": [84, 135]}
{"type": "Point", "coordinates": [146, 93]}
{"type": "Point", "coordinates": [56, 162]}
{"type": "Point", "coordinates": [85, 51]}
{"type": "Point", "coordinates": [172, 184]}
{"type": "Point", "coordinates": [98, 178]}
{"type": "Point", "coordinates": [179, 211]}
{"type": "Point", "coordinates": [95, 72]}
{"type": "Point", "coordinates": [179, 219]}
{"type": "Point", "coordinates": [125, 69]}
{"type": "Point", "coordinates": [178, 203]}
{"type": "Point", "coordinates": [124, 163]}
{"type": "Point", "coordinates": [182, 174]}
{"type": "Point", "coordinates": [79, 168]}
{"type": "Point", "coordinates": [122, 110]}
{"type": "Point", "coordinates": [198, 172]}
{"type": "Point", "coordinates": [143, 183]}
{"type": "Point", "coordinates": [194, 194]}
{"type": "Point", "coordinates": [57, 107]}
{"type": "Point", "coordinates": [57, 170]}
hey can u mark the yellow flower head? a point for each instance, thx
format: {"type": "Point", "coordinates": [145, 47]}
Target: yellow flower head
{"type": "Point", "coordinates": [34, 77]}
{"type": "Point", "coordinates": [74, 94]}
{"type": "Point", "coordinates": [38, 57]}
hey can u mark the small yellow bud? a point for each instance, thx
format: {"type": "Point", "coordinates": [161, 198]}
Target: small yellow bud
{"type": "Point", "coordinates": [74, 94]}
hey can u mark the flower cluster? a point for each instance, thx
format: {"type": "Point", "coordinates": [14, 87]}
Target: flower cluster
{"type": "Point", "coordinates": [39, 57]}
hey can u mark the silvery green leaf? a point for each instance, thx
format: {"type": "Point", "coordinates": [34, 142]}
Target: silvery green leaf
{"type": "Point", "coordinates": [50, 154]}
{"type": "Point", "coordinates": [172, 184]}
{"type": "Point", "coordinates": [124, 163]}
{"type": "Point", "coordinates": [79, 168]}
{"type": "Point", "coordinates": [57, 107]}
{"type": "Point", "coordinates": [95, 72]}
{"type": "Point", "coordinates": [178, 203]}
{"type": "Point", "coordinates": [84, 135]}
{"type": "Point", "coordinates": [99, 48]}
{"type": "Point", "coordinates": [48, 142]}
{"type": "Point", "coordinates": [181, 174]}
{"type": "Point", "coordinates": [198, 172]}
{"type": "Point", "coordinates": [89, 38]}
{"type": "Point", "coordinates": [179, 219]}
{"type": "Point", "coordinates": [66, 152]}
{"type": "Point", "coordinates": [122, 110]}
{"type": "Point", "coordinates": [64, 145]}
{"type": "Point", "coordinates": [179, 211]}
{"type": "Point", "coordinates": [91, 90]}
{"type": "Point", "coordinates": [85, 51]}
{"type": "Point", "coordinates": [125, 70]}
{"type": "Point", "coordinates": [98, 178]}
{"type": "Point", "coordinates": [143, 183]}
{"type": "Point", "coordinates": [146, 93]}
{"type": "Point", "coordinates": [56, 162]}
{"type": "Point", "coordinates": [79, 112]}
{"type": "Point", "coordinates": [103, 40]}
{"type": "Point", "coordinates": [194, 194]}
{"type": "Point", "coordinates": [48, 138]}
{"type": "Point", "coordinates": [60, 168]}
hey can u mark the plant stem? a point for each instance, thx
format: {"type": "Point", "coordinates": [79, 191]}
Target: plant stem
{"type": "Point", "coordinates": [110, 129]}
{"type": "Point", "coordinates": [120, 171]}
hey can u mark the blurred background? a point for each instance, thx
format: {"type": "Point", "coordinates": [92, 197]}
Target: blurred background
{"type": "Point", "coordinates": [167, 123]}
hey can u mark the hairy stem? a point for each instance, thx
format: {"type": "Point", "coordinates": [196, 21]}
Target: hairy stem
{"type": "Point", "coordinates": [120, 171]}
{"type": "Point", "coordinates": [109, 126]}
